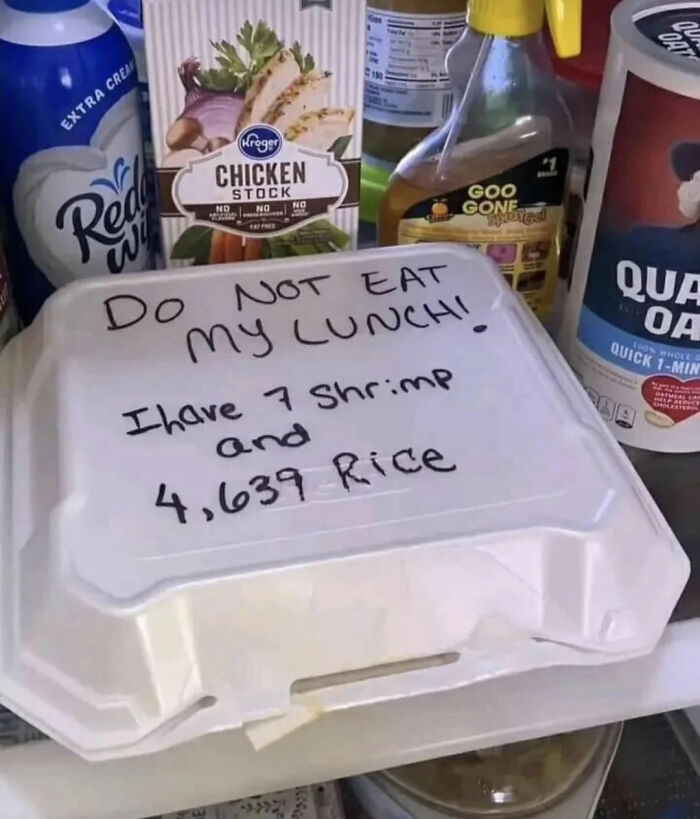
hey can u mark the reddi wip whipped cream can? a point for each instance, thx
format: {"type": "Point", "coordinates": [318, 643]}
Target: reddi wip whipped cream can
{"type": "Point", "coordinates": [72, 177]}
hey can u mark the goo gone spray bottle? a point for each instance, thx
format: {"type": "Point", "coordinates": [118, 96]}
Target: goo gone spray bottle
{"type": "Point", "coordinates": [71, 165]}
{"type": "Point", "coordinates": [632, 325]}
{"type": "Point", "coordinates": [494, 176]}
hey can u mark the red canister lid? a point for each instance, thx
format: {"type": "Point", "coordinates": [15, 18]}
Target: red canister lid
{"type": "Point", "coordinates": [587, 69]}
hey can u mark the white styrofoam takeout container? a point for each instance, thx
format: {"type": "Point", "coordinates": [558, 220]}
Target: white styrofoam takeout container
{"type": "Point", "coordinates": [231, 496]}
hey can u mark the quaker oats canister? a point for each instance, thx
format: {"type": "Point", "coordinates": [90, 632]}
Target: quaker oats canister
{"type": "Point", "coordinates": [632, 325]}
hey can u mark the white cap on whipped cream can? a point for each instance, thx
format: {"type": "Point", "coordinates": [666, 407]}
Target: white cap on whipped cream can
{"type": "Point", "coordinates": [632, 325]}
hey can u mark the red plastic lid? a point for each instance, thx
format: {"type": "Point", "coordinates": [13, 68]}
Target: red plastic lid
{"type": "Point", "coordinates": [587, 69]}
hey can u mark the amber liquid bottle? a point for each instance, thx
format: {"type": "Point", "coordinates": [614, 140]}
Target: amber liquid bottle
{"type": "Point", "coordinates": [408, 93]}
{"type": "Point", "coordinates": [494, 176]}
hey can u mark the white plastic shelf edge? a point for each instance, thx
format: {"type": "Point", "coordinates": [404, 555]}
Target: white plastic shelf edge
{"type": "Point", "coordinates": [43, 781]}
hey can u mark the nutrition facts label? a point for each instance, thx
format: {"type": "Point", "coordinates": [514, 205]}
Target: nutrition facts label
{"type": "Point", "coordinates": [407, 84]}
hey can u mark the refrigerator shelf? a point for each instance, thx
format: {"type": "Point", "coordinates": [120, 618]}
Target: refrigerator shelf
{"type": "Point", "coordinates": [41, 780]}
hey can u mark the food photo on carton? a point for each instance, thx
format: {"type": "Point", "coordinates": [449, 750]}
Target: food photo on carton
{"type": "Point", "coordinates": [256, 113]}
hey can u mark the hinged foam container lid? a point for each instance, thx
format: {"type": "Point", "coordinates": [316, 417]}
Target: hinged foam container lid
{"type": "Point", "coordinates": [231, 494]}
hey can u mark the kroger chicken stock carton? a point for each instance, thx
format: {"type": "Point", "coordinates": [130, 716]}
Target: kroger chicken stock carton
{"type": "Point", "coordinates": [257, 135]}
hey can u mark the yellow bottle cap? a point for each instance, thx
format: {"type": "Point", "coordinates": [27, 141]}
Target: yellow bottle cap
{"type": "Point", "coordinates": [518, 18]}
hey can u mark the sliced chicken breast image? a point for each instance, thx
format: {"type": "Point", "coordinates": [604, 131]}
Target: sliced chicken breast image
{"type": "Point", "coordinates": [320, 129]}
{"type": "Point", "coordinates": [306, 93]}
{"type": "Point", "coordinates": [280, 72]}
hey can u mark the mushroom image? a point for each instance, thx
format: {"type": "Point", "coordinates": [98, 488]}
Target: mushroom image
{"type": "Point", "coordinates": [186, 133]}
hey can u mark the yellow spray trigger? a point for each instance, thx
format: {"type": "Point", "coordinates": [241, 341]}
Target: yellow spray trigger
{"type": "Point", "coordinates": [564, 17]}
{"type": "Point", "coordinates": [519, 18]}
